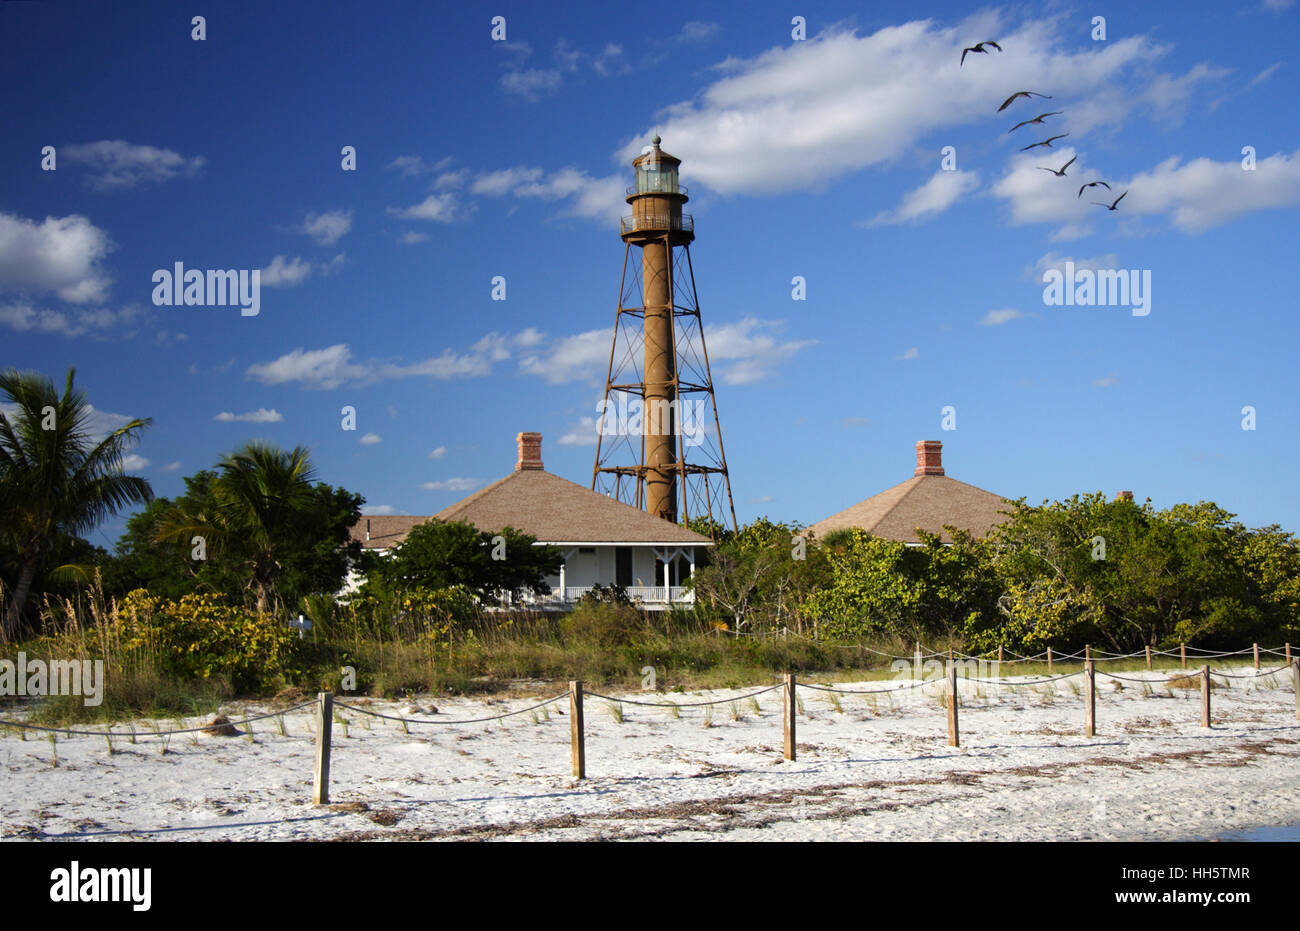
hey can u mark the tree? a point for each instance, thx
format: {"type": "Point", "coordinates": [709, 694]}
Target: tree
{"type": "Point", "coordinates": [760, 575]}
{"type": "Point", "coordinates": [55, 479]}
{"type": "Point", "coordinates": [314, 555]}
{"type": "Point", "coordinates": [887, 587]}
{"type": "Point", "coordinates": [443, 554]}
{"type": "Point", "coordinates": [1086, 570]}
{"type": "Point", "coordinates": [262, 514]}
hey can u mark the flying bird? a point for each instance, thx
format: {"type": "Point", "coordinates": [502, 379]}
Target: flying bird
{"type": "Point", "coordinates": [1092, 184]}
{"type": "Point", "coordinates": [1111, 206]}
{"type": "Point", "coordinates": [1046, 142]}
{"type": "Point", "coordinates": [1037, 119]}
{"type": "Point", "coordinates": [978, 47]}
{"type": "Point", "coordinates": [1061, 173]}
{"type": "Point", "coordinates": [1010, 100]}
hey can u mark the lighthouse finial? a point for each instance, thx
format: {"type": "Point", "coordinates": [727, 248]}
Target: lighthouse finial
{"type": "Point", "coordinates": [656, 140]}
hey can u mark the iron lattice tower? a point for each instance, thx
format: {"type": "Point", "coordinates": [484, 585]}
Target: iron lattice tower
{"type": "Point", "coordinates": [670, 460]}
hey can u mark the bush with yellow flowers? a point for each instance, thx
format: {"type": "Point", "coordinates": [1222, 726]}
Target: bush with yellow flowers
{"type": "Point", "coordinates": [201, 636]}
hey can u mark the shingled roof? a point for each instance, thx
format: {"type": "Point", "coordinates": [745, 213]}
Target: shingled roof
{"type": "Point", "coordinates": [929, 500]}
{"type": "Point", "coordinates": [545, 506]}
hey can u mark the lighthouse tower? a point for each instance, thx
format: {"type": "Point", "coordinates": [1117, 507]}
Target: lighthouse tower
{"type": "Point", "coordinates": [660, 443]}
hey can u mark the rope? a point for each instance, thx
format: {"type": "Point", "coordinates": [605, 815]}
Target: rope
{"type": "Point", "coordinates": [498, 717]}
{"type": "Point", "coordinates": [902, 688]}
{"type": "Point", "coordinates": [1258, 675]}
{"type": "Point", "coordinates": [1026, 682]}
{"type": "Point", "coordinates": [186, 730]}
{"type": "Point", "coordinates": [670, 704]}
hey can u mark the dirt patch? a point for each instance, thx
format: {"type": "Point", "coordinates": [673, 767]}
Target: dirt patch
{"type": "Point", "coordinates": [220, 726]}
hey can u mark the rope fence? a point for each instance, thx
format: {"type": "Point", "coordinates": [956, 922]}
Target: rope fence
{"type": "Point", "coordinates": [325, 707]}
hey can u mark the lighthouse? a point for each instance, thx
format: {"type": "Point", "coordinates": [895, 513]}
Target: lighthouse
{"type": "Point", "coordinates": [670, 460]}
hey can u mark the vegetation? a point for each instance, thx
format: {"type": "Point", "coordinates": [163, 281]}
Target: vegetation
{"type": "Point", "coordinates": [56, 481]}
{"type": "Point", "coordinates": [192, 606]}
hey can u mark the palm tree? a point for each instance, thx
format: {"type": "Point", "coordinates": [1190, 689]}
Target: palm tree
{"type": "Point", "coordinates": [55, 479]}
{"type": "Point", "coordinates": [261, 495]}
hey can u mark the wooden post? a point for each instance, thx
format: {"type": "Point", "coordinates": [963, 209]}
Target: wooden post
{"type": "Point", "coordinates": [1148, 657]}
{"type": "Point", "coordinates": [1183, 649]}
{"type": "Point", "coordinates": [1295, 686]}
{"type": "Point", "coordinates": [1205, 696]}
{"type": "Point", "coordinates": [1087, 653]}
{"type": "Point", "coordinates": [918, 669]}
{"type": "Point", "coordinates": [999, 656]}
{"type": "Point", "coordinates": [790, 707]}
{"type": "Point", "coordinates": [1288, 654]}
{"type": "Point", "coordinates": [1089, 700]}
{"type": "Point", "coordinates": [1257, 657]}
{"type": "Point", "coordinates": [579, 749]}
{"type": "Point", "coordinates": [1049, 661]}
{"type": "Point", "coordinates": [324, 720]}
{"type": "Point", "coordinates": [954, 738]}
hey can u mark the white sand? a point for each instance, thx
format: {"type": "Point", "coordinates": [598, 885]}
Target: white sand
{"type": "Point", "coordinates": [1024, 772]}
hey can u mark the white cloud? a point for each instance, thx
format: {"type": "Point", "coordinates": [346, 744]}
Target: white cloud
{"type": "Point", "coordinates": [584, 434]}
{"type": "Point", "coordinates": [439, 208]}
{"type": "Point", "coordinates": [60, 254]}
{"type": "Point", "coordinates": [316, 368]}
{"type": "Point", "coordinates": [413, 165]}
{"type": "Point", "coordinates": [749, 350]}
{"type": "Point", "coordinates": [118, 165]}
{"type": "Point", "coordinates": [943, 190]}
{"type": "Point", "coordinates": [411, 238]}
{"type": "Point", "coordinates": [909, 355]}
{"type": "Point", "coordinates": [496, 183]}
{"type": "Point", "coordinates": [1265, 74]}
{"type": "Point", "coordinates": [98, 322]}
{"type": "Point", "coordinates": [1054, 260]}
{"type": "Point", "coordinates": [1196, 195]}
{"type": "Point", "coordinates": [587, 196]}
{"type": "Point", "coordinates": [449, 180]}
{"type": "Point", "coordinates": [334, 366]}
{"type": "Point", "coordinates": [840, 103]}
{"type": "Point", "coordinates": [380, 510]}
{"type": "Point", "coordinates": [438, 453]}
{"type": "Point", "coordinates": [133, 463]}
{"type": "Point", "coordinates": [850, 423]}
{"type": "Point", "coordinates": [170, 467]}
{"type": "Point", "coordinates": [98, 424]}
{"type": "Point", "coordinates": [327, 228]}
{"type": "Point", "coordinates": [696, 31]}
{"type": "Point", "coordinates": [583, 355]}
{"type": "Point", "coordinates": [285, 273]}
{"type": "Point", "coordinates": [1105, 382]}
{"type": "Point", "coordinates": [370, 439]}
{"type": "Point", "coordinates": [453, 484]}
{"type": "Point", "coordinates": [999, 317]}
{"type": "Point", "coordinates": [533, 83]}
{"type": "Point", "coordinates": [261, 415]}
{"type": "Point", "coordinates": [1202, 193]}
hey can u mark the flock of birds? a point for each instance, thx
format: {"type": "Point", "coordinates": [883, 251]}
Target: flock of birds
{"type": "Point", "coordinates": [982, 48]}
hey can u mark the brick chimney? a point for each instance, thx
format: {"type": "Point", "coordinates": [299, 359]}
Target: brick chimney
{"type": "Point", "coordinates": [530, 452]}
{"type": "Point", "coordinates": [929, 458]}
{"type": "Point", "coordinates": [1125, 496]}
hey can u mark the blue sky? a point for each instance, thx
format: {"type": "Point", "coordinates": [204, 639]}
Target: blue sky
{"type": "Point", "coordinates": [818, 158]}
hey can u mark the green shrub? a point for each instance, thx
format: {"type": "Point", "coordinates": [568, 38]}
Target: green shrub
{"type": "Point", "coordinates": [201, 637]}
{"type": "Point", "coordinates": [605, 624]}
